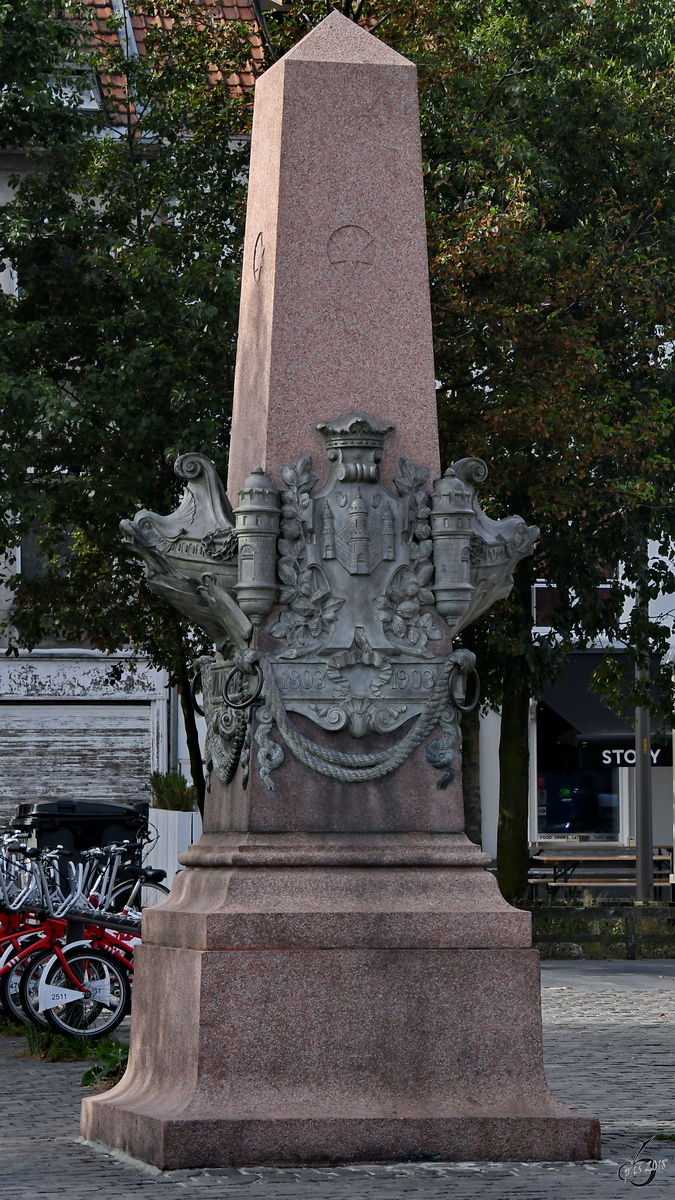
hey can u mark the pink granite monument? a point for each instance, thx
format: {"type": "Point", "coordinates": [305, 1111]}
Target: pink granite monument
{"type": "Point", "coordinates": [335, 313]}
{"type": "Point", "coordinates": [335, 977]}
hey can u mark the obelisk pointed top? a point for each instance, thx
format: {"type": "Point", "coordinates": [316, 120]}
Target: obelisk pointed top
{"type": "Point", "coordinates": [335, 313]}
{"type": "Point", "coordinates": [337, 39]}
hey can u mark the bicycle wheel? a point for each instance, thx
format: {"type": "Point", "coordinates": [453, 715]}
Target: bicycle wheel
{"type": "Point", "coordinates": [104, 1004]}
{"type": "Point", "coordinates": [28, 983]}
{"type": "Point", "coordinates": [147, 895]}
{"type": "Point", "coordinates": [126, 960]}
{"type": "Point", "coordinates": [10, 986]}
{"type": "Point", "coordinates": [9, 950]}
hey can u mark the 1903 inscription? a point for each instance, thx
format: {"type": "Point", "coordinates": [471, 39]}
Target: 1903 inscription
{"type": "Point", "coordinates": [413, 679]}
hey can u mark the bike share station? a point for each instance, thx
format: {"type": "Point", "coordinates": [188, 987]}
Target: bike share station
{"type": "Point", "coordinates": [72, 886]}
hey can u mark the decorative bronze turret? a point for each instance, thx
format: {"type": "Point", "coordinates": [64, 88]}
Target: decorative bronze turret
{"type": "Point", "coordinates": [451, 521]}
{"type": "Point", "coordinates": [359, 540]}
{"type": "Point", "coordinates": [327, 532]}
{"type": "Point", "coordinates": [257, 527]}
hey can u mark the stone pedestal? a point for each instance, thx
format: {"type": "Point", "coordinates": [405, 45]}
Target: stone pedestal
{"type": "Point", "coordinates": [324, 999]}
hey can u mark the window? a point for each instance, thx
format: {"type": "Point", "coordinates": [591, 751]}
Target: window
{"type": "Point", "coordinates": [576, 802]}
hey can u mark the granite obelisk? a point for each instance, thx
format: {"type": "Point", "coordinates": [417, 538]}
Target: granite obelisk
{"type": "Point", "coordinates": [335, 310]}
{"type": "Point", "coordinates": [335, 977]}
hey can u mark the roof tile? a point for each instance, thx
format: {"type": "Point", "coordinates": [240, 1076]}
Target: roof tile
{"type": "Point", "coordinates": [104, 30]}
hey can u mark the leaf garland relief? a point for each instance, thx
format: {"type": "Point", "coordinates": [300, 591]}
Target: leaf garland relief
{"type": "Point", "coordinates": [312, 610]}
{"type": "Point", "coordinates": [401, 605]}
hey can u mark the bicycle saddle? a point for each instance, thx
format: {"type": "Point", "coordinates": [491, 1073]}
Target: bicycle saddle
{"type": "Point", "coordinates": [149, 874]}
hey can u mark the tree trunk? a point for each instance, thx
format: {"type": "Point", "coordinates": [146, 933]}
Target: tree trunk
{"type": "Point", "coordinates": [192, 735]}
{"type": "Point", "coordinates": [471, 775]}
{"type": "Point", "coordinates": [514, 761]}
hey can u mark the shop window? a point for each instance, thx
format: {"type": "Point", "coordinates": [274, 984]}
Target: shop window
{"type": "Point", "coordinates": [579, 803]}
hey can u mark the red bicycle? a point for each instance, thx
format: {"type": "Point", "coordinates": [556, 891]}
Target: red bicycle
{"type": "Point", "coordinates": [76, 965]}
{"type": "Point", "coordinates": [66, 954]}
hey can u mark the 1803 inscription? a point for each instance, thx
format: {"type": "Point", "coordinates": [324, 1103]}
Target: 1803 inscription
{"type": "Point", "coordinates": [309, 679]}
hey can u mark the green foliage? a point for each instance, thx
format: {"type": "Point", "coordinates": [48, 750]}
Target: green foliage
{"type": "Point", "coordinates": [117, 353]}
{"type": "Point", "coordinates": [9, 1028]}
{"type": "Point", "coordinates": [549, 154]}
{"type": "Point", "coordinates": [548, 131]}
{"type": "Point", "coordinates": [40, 50]}
{"type": "Point", "coordinates": [171, 791]}
{"type": "Point", "coordinates": [111, 1067]}
{"type": "Point", "coordinates": [564, 937]}
{"type": "Point", "coordinates": [50, 1046]}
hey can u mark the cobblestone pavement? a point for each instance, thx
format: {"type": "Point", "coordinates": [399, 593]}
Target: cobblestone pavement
{"type": "Point", "coordinates": [610, 1050]}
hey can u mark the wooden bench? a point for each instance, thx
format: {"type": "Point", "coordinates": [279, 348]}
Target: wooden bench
{"type": "Point", "coordinates": [588, 868]}
{"type": "Point", "coordinates": [608, 881]}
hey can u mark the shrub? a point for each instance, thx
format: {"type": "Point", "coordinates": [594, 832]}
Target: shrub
{"type": "Point", "coordinates": [171, 791]}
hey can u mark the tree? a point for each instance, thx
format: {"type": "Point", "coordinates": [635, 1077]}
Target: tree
{"type": "Point", "coordinates": [549, 135]}
{"type": "Point", "coordinates": [548, 141]}
{"type": "Point", "coordinates": [117, 353]}
{"type": "Point", "coordinates": [547, 132]}
{"type": "Point", "coordinates": [38, 46]}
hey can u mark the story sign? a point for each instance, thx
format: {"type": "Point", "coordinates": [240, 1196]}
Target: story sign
{"type": "Point", "coordinates": [593, 757]}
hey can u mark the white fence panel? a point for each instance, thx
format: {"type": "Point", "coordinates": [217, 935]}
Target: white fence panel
{"type": "Point", "coordinates": [176, 831]}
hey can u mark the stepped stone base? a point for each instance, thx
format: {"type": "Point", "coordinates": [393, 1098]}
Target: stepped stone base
{"type": "Point", "coordinates": [181, 1144]}
{"type": "Point", "coordinates": [334, 1013]}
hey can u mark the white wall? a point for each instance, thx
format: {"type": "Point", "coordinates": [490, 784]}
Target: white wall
{"type": "Point", "coordinates": [66, 729]}
{"type": "Point", "coordinates": [490, 726]}
{"type": "Point", "coordinates": [12, 163]}
{"type": "Point", "coordinates": [8, 566]}
{"type": "Point", "coordinates": [176, 831]}
{"type": "Point", "coordinates": [662, 805]}
{"type": "Point", "coordinates": [182, 756]}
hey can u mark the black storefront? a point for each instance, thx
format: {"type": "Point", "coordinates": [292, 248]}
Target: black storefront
{"type": "Point", "coordinates": [585, 753]}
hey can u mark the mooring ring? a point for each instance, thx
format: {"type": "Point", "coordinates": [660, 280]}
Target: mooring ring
{"type": "Point", "coordinates": [465, 708]}
{"type": "Point", "coordinates": [249, 699]}
{"type": "Point", "coordinates": [193, 693]}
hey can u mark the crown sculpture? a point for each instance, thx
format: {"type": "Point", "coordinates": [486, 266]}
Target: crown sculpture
{"type": "Point", "coordinates": [359, 578]}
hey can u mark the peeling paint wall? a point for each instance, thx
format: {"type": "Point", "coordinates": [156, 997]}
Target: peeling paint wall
{"type": "Point", "coordinates": [67, 730]}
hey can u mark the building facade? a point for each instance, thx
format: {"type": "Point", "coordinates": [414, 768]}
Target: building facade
{"type": "Point", "coordinates": [582, 759]}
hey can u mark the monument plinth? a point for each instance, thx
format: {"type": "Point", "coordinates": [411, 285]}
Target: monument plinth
{"type": "Point", "coordinates": [334, 977]}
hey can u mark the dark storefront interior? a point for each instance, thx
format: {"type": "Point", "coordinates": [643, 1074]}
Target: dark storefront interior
{"type": "Point", "coordinates": [581, 746]}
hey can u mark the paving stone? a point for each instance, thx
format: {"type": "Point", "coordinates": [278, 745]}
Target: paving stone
{"type": "Point", "coordinates": [608, 1051]}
